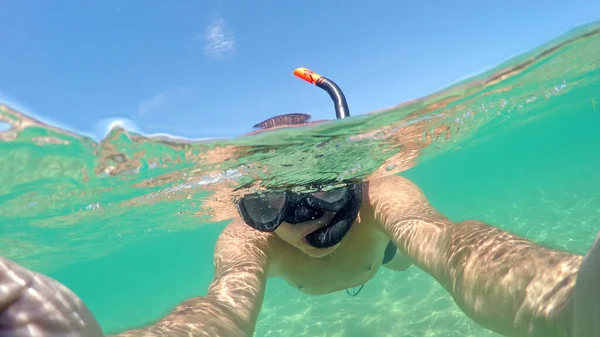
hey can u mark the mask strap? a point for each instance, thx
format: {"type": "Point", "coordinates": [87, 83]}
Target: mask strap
{"type": "Point", "coordinates": [354, 291]}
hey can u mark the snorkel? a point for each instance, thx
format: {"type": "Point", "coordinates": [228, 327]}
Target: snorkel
{"type": "Point", "coordinates": [267, 211]}
{"type": "Point", "coordinates": [336, 94]}
{"type": "Point", "coordinates": [341, 223]}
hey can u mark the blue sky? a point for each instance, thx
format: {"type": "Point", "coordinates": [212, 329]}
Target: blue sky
{"type": "Point", "coordinates": [215, 68]}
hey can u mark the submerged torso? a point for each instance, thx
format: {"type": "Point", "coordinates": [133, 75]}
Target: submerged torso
{"type": "Point", "coordinates": [354, 262]}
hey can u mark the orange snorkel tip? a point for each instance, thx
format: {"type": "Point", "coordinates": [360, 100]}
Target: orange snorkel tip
{"type": "Point", "coordinates": [307, 75]}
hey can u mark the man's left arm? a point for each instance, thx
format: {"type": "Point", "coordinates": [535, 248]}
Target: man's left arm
{"type": "Point", "coordinates": [503, 282]}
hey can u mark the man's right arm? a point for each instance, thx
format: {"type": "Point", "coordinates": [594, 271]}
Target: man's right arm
{"type": "Point", "coordinates": [235, 296]}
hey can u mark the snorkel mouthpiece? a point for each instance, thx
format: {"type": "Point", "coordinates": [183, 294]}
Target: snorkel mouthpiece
{"type": "Point", "coordinates": [338, 227]}
{"type": "Point", "coordinates": [329, 236]}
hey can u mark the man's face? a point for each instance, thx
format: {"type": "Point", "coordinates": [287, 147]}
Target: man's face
{"type": "Point", "coordinates": [296, 234]}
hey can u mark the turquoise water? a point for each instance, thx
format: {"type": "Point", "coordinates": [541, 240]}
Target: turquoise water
{"type": "Point", "coordinates": [129, 223]}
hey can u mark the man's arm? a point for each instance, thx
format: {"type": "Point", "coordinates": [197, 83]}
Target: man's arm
{"type": "Point", "coordinates": [235, 296]}
{"type": "Point", "coordinates": [503, 282]}
{"type": "Point", "coordinates": [34, 305]}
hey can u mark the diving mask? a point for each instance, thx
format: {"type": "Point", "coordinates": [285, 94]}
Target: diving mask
{"type": "Point", "coordinates": [266, 211]}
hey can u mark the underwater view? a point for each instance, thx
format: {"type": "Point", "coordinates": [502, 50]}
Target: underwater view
{"type": "Point", "coordinates": [129, 223]}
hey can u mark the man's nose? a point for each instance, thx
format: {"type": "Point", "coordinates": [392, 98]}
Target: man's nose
{"type": "Point", "coordinates": [303, 214]}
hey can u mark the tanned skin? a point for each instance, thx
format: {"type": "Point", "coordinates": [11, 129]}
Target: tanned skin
{"type": "Point", "coordinates": [503, 282]}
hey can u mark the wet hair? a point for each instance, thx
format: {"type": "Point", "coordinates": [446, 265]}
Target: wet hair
{"type": "Point", "coordinates": [282, 120]}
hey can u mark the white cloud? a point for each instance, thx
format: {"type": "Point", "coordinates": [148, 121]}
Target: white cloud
{"type": "Point", "coordinates": [168, 101]}
{"type": "Point", "coordinates": [219, 40]}
{"type": "Point", "coordinates": [153, 103]}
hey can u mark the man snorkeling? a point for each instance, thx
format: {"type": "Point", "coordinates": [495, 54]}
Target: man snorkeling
{"type": "Point", "coordinates": [335, 239]}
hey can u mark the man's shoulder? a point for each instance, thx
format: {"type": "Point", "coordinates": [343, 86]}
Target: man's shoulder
{"type": "Point", "coordinates": [239, 244]}
{"type": "Point", "coordinates": [394, 184]}
{"type": "Point", "coordinates": [238, 232]}
{"type": "Point", "coordinates": [398, 196]}
{"type": "Point", "coordinates": [392, 178]}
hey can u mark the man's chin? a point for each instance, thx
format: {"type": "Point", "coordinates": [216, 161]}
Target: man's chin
{"type": "Point", "coordinates": [317, 252]}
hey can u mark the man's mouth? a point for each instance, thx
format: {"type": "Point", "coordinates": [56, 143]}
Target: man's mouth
{"type": "Point", "coordinates": [318, 224]}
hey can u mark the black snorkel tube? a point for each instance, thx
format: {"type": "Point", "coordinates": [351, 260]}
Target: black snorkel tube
{"type": "Point", "coordinates": [342, 221]}
{"type": "Point", "coordinates": [336, 94]}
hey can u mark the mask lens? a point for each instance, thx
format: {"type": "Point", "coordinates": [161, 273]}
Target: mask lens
{"type": "Point", "coordinates": [264, 208]}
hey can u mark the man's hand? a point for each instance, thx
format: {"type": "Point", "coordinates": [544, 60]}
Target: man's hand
{"type": "Point", "coordinates": [32, 304]}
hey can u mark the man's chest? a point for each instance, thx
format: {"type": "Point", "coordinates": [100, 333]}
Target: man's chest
{"type": "Point", "coordinates": [353, 263]}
